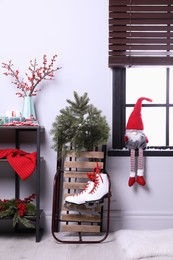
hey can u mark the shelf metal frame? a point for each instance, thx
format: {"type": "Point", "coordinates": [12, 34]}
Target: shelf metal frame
{"type": "Point", "coordinates": [38, 130]}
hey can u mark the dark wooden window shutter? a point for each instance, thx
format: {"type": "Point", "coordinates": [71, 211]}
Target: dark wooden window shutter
{"type": "Point", "coordinates": [140, 33]}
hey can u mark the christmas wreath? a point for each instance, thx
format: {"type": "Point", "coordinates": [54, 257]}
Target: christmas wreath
{"type": "Point", "coordinates": [80, 124]}
{"type": "Point", "coordinates": [19, 210]}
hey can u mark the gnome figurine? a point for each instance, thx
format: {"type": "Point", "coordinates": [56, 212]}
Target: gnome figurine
{"type": "Point", "coordinates": [135, 139]}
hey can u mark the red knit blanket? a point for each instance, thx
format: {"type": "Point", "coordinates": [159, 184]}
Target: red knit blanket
{"type": "Point", "coordinates": [22, 162]}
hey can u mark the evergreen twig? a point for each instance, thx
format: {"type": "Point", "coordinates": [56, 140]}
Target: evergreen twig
{"type": "Point", "coordinates": [19, 210]}
{"type": "Point", "coordinates": [79, 125]}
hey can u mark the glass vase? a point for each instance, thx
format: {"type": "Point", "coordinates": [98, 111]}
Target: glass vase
{"type": "Point", "coordinates": [29, 108]}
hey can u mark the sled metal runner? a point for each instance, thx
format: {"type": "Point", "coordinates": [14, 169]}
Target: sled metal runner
{"type": "Point", "coordinates": [72, 223]}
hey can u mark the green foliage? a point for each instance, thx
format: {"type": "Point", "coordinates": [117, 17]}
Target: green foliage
{"type": "Point", "coordinates": [23, 220]}
{"type": "Point", "coordinates": [19, 210]}
{"type": "Point", "coordinates": [80, 124]}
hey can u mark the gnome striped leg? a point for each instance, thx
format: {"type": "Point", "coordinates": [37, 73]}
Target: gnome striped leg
{"type": "Point", "coordinates": [132, 170]}
{"type": "Point", "coordinates": [140, 172]}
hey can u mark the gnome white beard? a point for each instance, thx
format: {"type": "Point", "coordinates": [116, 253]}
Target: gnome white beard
{"type": "Point", "coordinates": [134, 135]}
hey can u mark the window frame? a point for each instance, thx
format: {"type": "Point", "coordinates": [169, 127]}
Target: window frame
{"type": "Point", "coordinates": [119, 117]}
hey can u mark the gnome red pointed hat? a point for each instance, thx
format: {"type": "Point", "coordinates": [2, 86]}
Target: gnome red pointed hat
{"type": "Point", "coordinates": [135, 119]}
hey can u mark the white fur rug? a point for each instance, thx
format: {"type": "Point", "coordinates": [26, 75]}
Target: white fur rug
{"type": "Point", "coordinates": [145, 243]}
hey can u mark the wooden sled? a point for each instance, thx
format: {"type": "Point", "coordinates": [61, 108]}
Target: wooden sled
{"type": "Point", "coordinates": [73, 223]}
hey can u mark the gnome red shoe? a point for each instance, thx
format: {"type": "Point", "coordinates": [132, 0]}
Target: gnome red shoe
{"type": "Point", "coordinates": [131, 179]}
{"type": "Point", "coordinates": [100, 189]}
{"type": "Point", "coordinates": [80, 197]}
{"type": "Point", "coordinates": [140, 178]}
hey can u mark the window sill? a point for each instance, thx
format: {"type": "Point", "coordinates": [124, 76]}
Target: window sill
{"type": "Point", "coordinates": [150, 151]}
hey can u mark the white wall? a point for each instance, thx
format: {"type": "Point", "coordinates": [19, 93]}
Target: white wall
{"type": "Point", "coordinates": [78, 32]}
{"type": "Point", "coordinates": [141, 207]}
{"type": "Point", "coordinates": [75, 30]}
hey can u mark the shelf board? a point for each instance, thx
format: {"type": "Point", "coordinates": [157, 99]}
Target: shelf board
{"type": "Point", "coordinates": [21, 127]}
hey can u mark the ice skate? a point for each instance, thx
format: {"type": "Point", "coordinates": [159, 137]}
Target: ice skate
{"type": "Point", "coordinates": [100, 189]}
{"type": "Point", "coordinates": [79, 198]}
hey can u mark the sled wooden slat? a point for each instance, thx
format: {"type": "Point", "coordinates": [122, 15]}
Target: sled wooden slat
{"type": "Point", "coordinates": [84, 218]}
{"type": "Point", "coordinates": [80, 228]}
{"type": "Point", "coordinates": [88, 154]}
{"type": "Point", "coordinates": [79, 164]}
{"type": "Point", "coordinates": [74, 185]}
{"type": "Point", "coordinates": [75, 174]}
{"type": "Point", "coordinates": [82, 209]}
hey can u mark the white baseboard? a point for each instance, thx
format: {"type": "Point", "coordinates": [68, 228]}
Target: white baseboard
{"type": "Point", "coordinates": [128, 220]}
{"type": "Point", "coordinates": [139, 220]}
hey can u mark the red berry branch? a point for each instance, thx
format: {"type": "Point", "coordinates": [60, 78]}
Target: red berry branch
{"type": "Point", "coordinates": [19, 210]}
{"type": "Point", "coordinates": [34, 77]}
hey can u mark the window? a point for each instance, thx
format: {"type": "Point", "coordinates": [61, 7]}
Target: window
{"type": "Point", "coordinates": [140, 55]}
{"type": "Point", "coordinates": [155, 83]}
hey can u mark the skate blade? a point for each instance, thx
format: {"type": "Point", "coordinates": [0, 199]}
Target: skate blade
{"type": "Point", "coordinates": [94, 204]}
{"type": "Point", "coordinates": [83, 208]}
{"type": "Point", "coordinates": [100, 201]}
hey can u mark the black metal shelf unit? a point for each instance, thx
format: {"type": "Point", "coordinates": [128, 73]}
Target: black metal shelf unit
{"type": "Point", "coordinates": [37, 130]}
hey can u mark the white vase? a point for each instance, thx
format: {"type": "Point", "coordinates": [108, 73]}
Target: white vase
{"type": "Point", "coordinates": [28, 108]}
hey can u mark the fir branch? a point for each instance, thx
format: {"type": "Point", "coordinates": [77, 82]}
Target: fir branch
{"type": "Point", "coordinates": [7, 212]}
{"type": "Point", "coordinates": [80, 124]}
{"type": "Point", "coordinates": [26, 222]}
{"type": "Point", "coordinates": [19, 210]}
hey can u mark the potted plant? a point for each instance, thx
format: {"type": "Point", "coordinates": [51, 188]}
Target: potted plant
{"type": "Point", "coordinates": [80, 125]}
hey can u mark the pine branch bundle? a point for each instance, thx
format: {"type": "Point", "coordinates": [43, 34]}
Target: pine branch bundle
{"type": "Point", "coordinates": [80, 124]}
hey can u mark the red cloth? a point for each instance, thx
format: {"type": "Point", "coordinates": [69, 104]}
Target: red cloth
{"type": "Point", "coordinates": [22, 162]}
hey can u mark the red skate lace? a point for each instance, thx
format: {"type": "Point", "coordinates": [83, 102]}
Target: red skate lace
{"type": "Point", "coordinates": [96, 183]}
{"type": "Point", "coordinates": [97, 168]}
{"type": "Point", "coordinates": [92, 178]}
{"type": "Point", "coordinates": [97, 176]}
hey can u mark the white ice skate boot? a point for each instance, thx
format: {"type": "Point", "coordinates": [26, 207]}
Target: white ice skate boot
{"type": "Point", "coordinates": [100, 189]}
{"type": "Point", "coordinates": [81, 197]}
